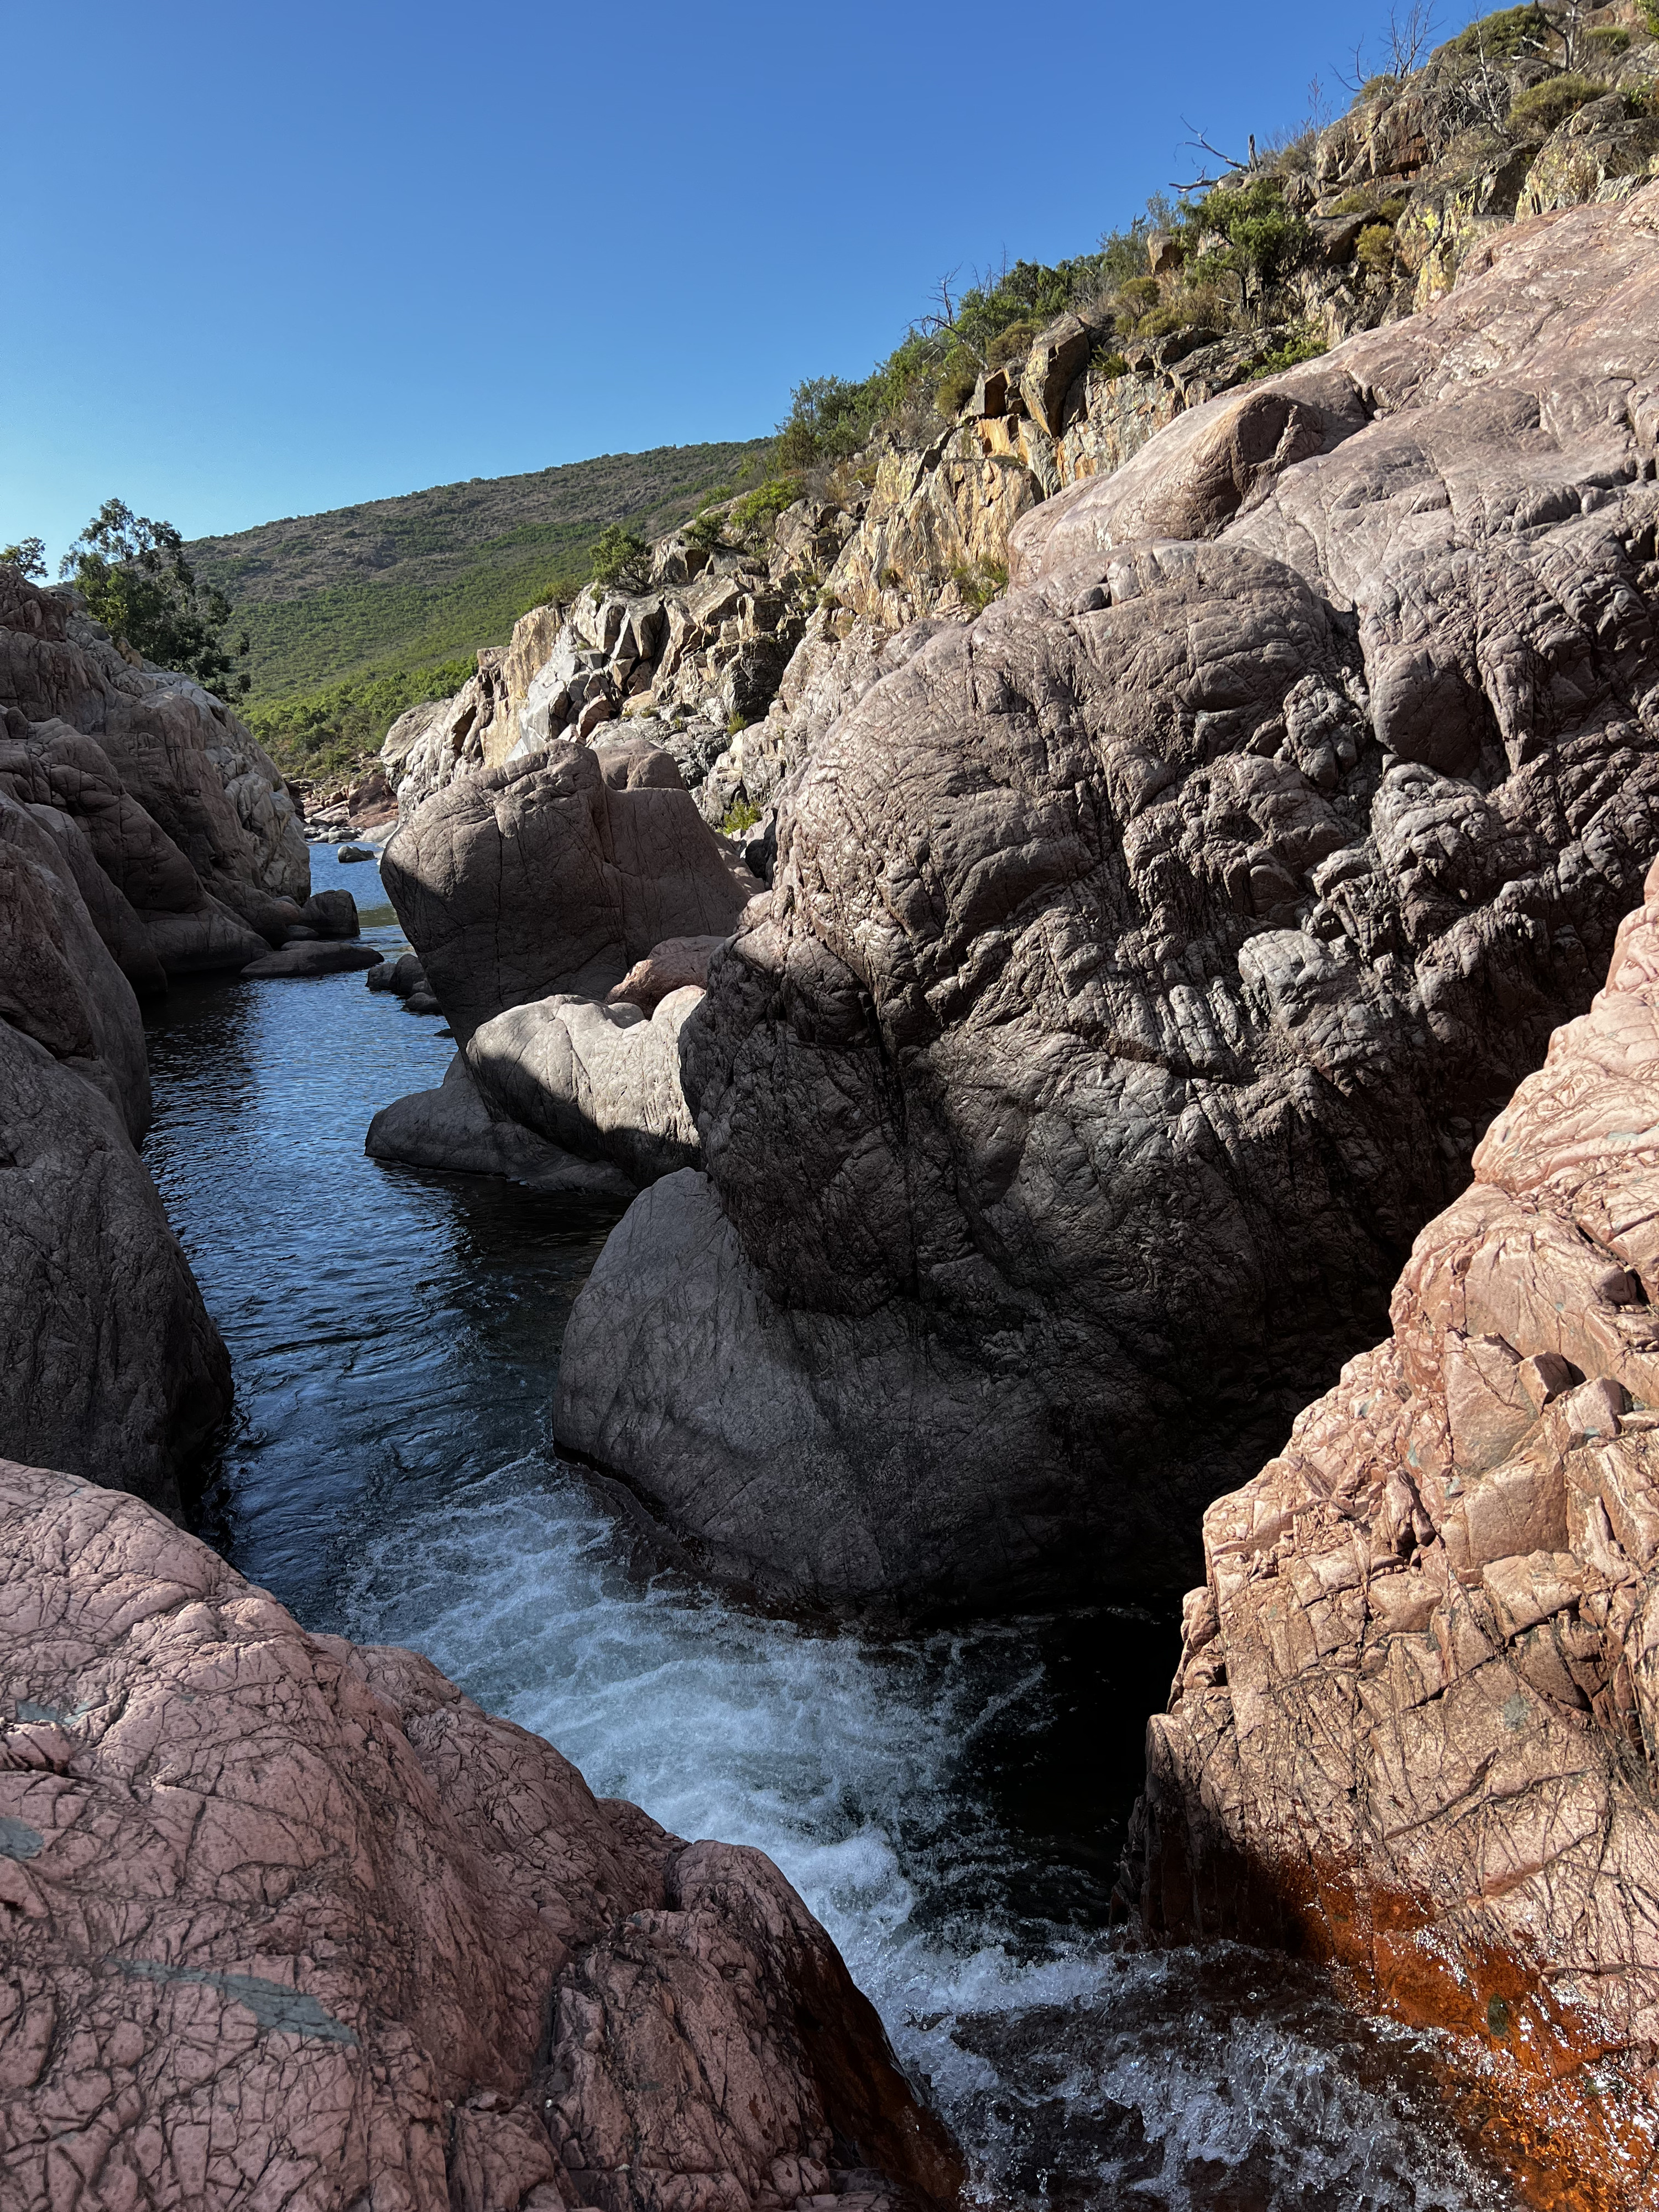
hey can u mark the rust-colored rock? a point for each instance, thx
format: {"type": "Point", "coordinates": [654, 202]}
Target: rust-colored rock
{"type": "Point", "coordinates": [286, 1917]}
{"type": "Point", "coordinates": [1416, 1725]}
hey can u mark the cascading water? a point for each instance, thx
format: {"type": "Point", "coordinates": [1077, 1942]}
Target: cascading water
{"type": "Point", "coordinates": [951, 1806]}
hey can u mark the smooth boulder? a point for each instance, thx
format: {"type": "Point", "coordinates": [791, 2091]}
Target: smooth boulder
{"type": "Point", "coordinates": [602, 1080]}
{"type": "Point", "coordinates": [452, 1128]}
{"type": "Point", "coordinates": [318, 958]}
{"type": "Point", "coordinates": [544, 876]}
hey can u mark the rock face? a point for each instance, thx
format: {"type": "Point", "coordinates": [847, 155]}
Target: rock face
{"type": "Point", "coordinates": [279, 1904]}
{"type": "Point", "coordinates": [546, 876]}
{"type": "Point", "coordinates": [178, 805]}
{"type": "Point", "coordinates": [1144, 959]}
{"type": "Point", "coordinates": [1415, 1729]}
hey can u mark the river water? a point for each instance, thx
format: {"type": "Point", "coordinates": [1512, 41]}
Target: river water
{"type": "Point", "coordinates": [951, 1806]}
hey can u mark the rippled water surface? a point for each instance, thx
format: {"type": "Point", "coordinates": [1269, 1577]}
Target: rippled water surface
{"type": "Point", "coordinates": [951, 1806]}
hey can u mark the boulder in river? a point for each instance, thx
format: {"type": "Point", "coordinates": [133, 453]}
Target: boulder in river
{"type": "Point", "coordinates": [452, 1127]}
{"type": "Point", "coordinates": [1144, 957]}
{"type": "Point", "coordinates": [1415, 1729]}
{"type": "Point", "coordinates": [546, 875]}
{"type": "Point", "coordinates": [319, 957]}
{"type": "Point", "coordinates": [455, 1979]}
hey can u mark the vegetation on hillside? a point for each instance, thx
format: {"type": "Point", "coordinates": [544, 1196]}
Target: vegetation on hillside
{"type": "Point", "coordinates": [330, 735]}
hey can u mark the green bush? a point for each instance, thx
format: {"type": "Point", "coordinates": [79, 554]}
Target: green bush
{"type": "Point", "coordinates": [1140, 294]}
{"type": "Point", "coordinates": [1506, 35]}
{"type": "Point", "coordinates": [329, 732]}
{"type": "Point", "coordinates": [980, 582]}
{"type": "Point", "coordinates": [755, 515]}
{"type": "Point", "coordinates": [741, 815]}
{"type": "Point", "coordinates": [1607, 38]}
{"type": "Point", "coordinates": [957, 381]}
{"type": "Point", "coordinates": [1264, 239]}
{"type": "Point", "coordinates": [1303, 344]}
{"type": "Point", "coordinates": [707, 532]}
{"type": "Point", "coordinates": [1163, 323]}
{"type": "Point", "coordinates": [1108, 364]}
{"type": "Point", "coordinates": [1012, 342]}
{"type": "Point", "coordinates": [1375, 251]}
{"type": "Point", "coordinates": [621, 559]}
{"type": "Point", "coordinates": [1545, 108]}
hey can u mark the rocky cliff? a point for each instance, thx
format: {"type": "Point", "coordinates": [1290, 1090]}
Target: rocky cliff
{"type": "Point", "coordinates": [1414, 1728]}
{"type": "Point", "coordinates": [1144, 958]}
{"type": "Point", "coordinates": [142, 834]}
{"type": "Point", "coordinates": [285, 1912]}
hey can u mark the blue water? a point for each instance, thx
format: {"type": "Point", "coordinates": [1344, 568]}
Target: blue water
{"type": "Point", "coordinates": [950, 1806]}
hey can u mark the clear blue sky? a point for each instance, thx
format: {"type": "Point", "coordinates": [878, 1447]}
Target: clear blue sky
{"type": "Point", "coordinates": [265, 259]}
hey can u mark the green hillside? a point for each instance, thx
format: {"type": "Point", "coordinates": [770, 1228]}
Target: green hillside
{"type": "Point", "coordinates": [399, 585]}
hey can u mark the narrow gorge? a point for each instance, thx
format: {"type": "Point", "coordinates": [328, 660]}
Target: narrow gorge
{"type": "Point", "coordinates": [956, 1175]}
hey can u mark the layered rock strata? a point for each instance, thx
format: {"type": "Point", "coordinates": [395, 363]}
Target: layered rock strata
{"type": "Point", "coordinates": [1144, 959]}
{"type": "Point", "coordinates": [1414, 1729]}
{"type": "Point", "coordinates": [285, 1911]}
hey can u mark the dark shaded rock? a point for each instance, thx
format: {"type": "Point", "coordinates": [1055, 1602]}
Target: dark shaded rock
{"type": "Point", "coordinates": [331, 914]}
{"type": "Point", "coordinates": [317, 958]}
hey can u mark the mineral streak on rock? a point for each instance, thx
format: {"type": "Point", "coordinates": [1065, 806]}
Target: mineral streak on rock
{"type": "Point", "coordinates": [1416, 1723]}
{"type": "Point", "coordinates": [1143, 958]}
{"type": "Point", "coordinates": [278, 1905]}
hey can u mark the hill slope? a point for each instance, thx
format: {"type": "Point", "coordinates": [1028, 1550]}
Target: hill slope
{"type": "Point", "coordinates": [401, 583]}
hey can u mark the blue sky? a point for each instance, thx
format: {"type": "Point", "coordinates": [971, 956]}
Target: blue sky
{"type": "Point", "coordinates": [263, 260]}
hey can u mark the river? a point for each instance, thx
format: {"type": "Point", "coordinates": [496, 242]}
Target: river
{"type": "Point", "coordinates": [950, 1806]}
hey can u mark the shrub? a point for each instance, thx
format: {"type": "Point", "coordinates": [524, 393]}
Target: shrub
{"type": "Point", "coordinates": [133, 575]}
{"type": "Point", "coordinates": [1012, 342]}
{"type": "Point", "coordinates": [1108, 364]}
{"type": "Point", "coordinates": [755, 515]}
{"type": "Point", "coordinates": [734, 723]}
{"type": "Point", "coordinates": [955, 383]}
{"type": "Point", "coordinates": [707, 532]}
{"type": "Point", "coordinates": [1545, 108]}
{"type": "Point", "coordinates": [978, 582]}
{"type": "Point", "coordinates": [1375, 251]}
{"type": "Point", "coordinates": [1303, 344]}
{"type": "Point", "coordinates": [27, 556]}
{"type": "Point", "coordinates": [621, 559]}
{"type": "Point", "coordinates": [1140, 294]}
{"type": "Point", "coordinates": [1651, 16]}
{"type": "Point", "coordinates": [1607, 38]}
{"type": "Point", "coordinates": [1504, 36]}
{"type": "Point", "coordinates": [1163, 323]}
{"type": "Point", "coordinates": [742, 814]}
{"type": "Point", "coordinates": [828, 417]}
{"type": "Point", "coordinates": [332, 732]}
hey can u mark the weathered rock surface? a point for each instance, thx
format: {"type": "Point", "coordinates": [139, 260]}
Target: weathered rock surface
{"type": "Point", "coordinates": [1144, 959]}
{"type": "Point", "coordinates": [678, 963]}
{"type": "Point", "coordinates": [286, 1912]}
{"type": "Point", "coordinates": [1414, 1727]}
{"type": "Point", "coordinates": [599, 1080]}
{"type": "Point", "coordinates": [453, 1127]}
{"type": "Point", "coordinates": [546, 876]}
{"type": "Point", "coordinates": [107, 1358]}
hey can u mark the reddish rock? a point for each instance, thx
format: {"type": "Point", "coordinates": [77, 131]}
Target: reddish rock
{"type": "Point", "coordinates": [293, 1920]}
{"type": "Point", "coordinates": [1416, 1725]}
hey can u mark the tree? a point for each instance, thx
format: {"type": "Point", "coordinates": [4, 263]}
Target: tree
{"type": "Point", "coordinates": [622, 556]}
{"type": "Point", "coordinates": [27, 556]}
{"type": "Point", "coordinates": [135, 579]}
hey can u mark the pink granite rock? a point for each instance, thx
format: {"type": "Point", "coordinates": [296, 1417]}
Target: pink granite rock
{"type": "Point", "coordinates": [285, 1920]}
{"type": "Point", "coordinates": [1415, 1729]}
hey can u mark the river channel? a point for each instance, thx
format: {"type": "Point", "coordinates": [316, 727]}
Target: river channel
{"type": "Point", "coordinates": [950, 1806]}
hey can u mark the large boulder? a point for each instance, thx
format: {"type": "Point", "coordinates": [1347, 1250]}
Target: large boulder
{"type": "Point", "coordinates": [1415, 1729]}
{"type": "Point", "coordinates": [1144, 959]}
{"type": "Point", "coordinates": [289, 1913]}
{"type": "Point", "coordinates": [552, 874]}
